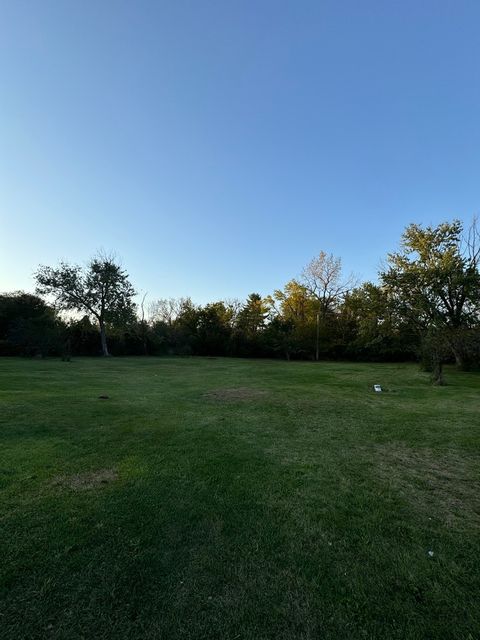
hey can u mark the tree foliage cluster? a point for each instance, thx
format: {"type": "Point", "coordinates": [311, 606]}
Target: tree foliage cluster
{"type": "Point", "coordinates": [425, 305]}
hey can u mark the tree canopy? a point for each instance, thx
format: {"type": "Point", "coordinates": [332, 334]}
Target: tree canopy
{"type": "Point", "coordinates": [102, 290]}
{"type": "Point", "coordinates": [434, 282]}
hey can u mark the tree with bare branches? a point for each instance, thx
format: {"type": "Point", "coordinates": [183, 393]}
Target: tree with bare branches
{"type": "Point", "coordinates": [324, 280]}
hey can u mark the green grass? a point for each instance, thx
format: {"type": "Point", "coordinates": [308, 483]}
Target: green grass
{"type": "Point", "coordinates": [303, 510]}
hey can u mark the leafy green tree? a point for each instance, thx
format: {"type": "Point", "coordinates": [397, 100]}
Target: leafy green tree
{"type": "Point", "coordinates": [185, 327]}
{"type": "Point", "coordinates": [214, 329]}
{"type": "Point", "coordinates": [29, 326]}
{"type": "Point", "coordinates": [293, 311]}
{"type": "Point", "coordinates": [280, 337]}
{"type": "Point", "coordinates": [102, 290]}
{"type": "Point", "coordinates": [83, 336]}
{"type": "Point", "coordinates": [248, 334]}
{"type": "Point", "coordinates": [251, 319]}
{"type": "Point", "coordinates": [371, 329]}
{"type": "Point", "coordinates": [434, 282]}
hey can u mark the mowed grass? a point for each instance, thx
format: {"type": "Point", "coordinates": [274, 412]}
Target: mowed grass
{"type": "Point", "coordinates": [236, 499]}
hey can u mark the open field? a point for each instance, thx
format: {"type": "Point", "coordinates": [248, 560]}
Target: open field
{"type": "Point", "coordinates": [235, 499]}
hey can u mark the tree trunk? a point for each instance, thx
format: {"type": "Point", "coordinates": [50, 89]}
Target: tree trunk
{"type": "Point", "coordinates": [459, 361]}
{"type": "Point", "coordinates": [437, 372]}
{"type": "Point", "coordinates": [103, 338]}
{"type": "Point", "coordinates": [317, 345]}
{"type": "Point", "coordinates": [462, 360]}
{"type": "Point", "coordinates": [459, 343]}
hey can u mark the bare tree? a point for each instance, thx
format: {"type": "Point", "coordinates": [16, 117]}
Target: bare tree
{"type": "Point", "coordinates": [143, 324]}
{"type": "Point", "coordinates": [166, 309]}
{"type": "Point", "coordinates": [323, 279]}
{"type": "Point", "coordinates": [471, 244]}
{"type": "Point", "coordinates": [234, 306]}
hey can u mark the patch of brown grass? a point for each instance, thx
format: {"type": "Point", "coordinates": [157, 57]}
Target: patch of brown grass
{"type": "Point", "coordinates": [446, 484]}
{"type": "Point", "coordinates": [87, 480]}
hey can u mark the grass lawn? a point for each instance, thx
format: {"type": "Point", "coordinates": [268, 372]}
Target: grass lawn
{"type": "Point", "coordinates": [236, 499]}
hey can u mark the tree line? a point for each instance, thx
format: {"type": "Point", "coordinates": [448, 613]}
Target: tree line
{"type": "Point", "coordinates": [426, 306]}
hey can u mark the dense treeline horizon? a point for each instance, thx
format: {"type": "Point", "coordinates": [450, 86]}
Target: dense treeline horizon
{"type": "Point", "coordinates": [425, 306]}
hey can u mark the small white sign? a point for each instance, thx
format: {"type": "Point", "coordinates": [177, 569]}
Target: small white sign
{"type": "Point", "coordinates": [377, 388]}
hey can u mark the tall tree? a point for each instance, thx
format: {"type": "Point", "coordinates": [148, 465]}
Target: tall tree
{"type": "Point", "coordinates": [251, 318]}
{"type": "Point", "coordinates": [293, 311]}
{"type": "Point", "coordinates": [102, 290]}
{"type": "Point", "coordinates": [434, 281]}
{"type": "Point", "coordinates": [323, 279]}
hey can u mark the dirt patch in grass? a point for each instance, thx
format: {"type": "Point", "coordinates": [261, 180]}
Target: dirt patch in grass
{"type": "Point", "coordinates": [87, 480]}
{"type": "Point", "coordinates": [234, 394]}
{"type": "Point", "coordinates": [443, 485]}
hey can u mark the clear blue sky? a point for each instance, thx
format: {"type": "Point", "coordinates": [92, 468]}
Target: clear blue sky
{"type": "Point", "coordinates": [217, 146]}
